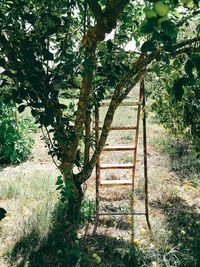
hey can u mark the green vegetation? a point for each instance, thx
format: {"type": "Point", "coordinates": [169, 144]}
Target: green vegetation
{"type": "Point", "coordinates": [177, 105]}
{"type": "Point", "coordinates": [15, 135]}
{"type": "Point", "coordinates": [32, 233]}
{"type": "Point", "coordinates": [182, 159]}
{"type": "Point", "coordinates": [79, 50]}
{"type": "Point", "coordinates": [60, 49]}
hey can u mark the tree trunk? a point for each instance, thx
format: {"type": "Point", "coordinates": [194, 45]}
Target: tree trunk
{"type": "Point", "coordinates": [74, 204]}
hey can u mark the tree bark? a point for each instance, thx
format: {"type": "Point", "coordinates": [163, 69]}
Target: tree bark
{"type": "Point", "coordinates": [74, 204]}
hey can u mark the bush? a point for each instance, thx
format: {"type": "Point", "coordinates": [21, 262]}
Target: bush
{"type": "Point", "coordinates": [15, 138]}
{"type": "Point", "coordinates": [177, 109]}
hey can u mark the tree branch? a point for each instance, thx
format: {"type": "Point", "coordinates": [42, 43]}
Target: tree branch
{"type": "Point", "coordinates": [185, 19]}
{"type": "Point", "coordinates": [87, 170]}
{"type": "Point", "coordinates": [118, 5]}
{"type": "Point", "coordinates": [187, 42]}
{"type": "Point", "coordinates": [82, 105]}
{"type": "Point", "coordinates": [137, 71]}
{"type": "Point", "coordinates": [104, 24]}
{"type": "Point", "coordinates": [185, 50]}
{"type": "Point", "coordinates": [96, 9]}
{"type": "Point", "coordinates": [87, 137]}
{"type": "Point", "coordinates": [112, 12]}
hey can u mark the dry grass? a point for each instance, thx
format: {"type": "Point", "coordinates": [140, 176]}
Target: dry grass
{"type": "Point", "coordinates": [30, 236]}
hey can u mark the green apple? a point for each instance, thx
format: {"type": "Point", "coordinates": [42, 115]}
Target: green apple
{"type": "Point", "coordinates": [98, 259]}
{"type": "Point", "coordinates": [76, 242]}
{"type": "Point", "coordinates": [160, 8]}
{"type": "Point", "coordinates": [176, 75]}
{"type": "Point", "coordinates": [162, 19]}
{"type": "Point", "coordinates": [149, 13]}
{"type": "Point", "coordinates": [185, 2]}
{"type": "Point", "coordinates": [94, 255]}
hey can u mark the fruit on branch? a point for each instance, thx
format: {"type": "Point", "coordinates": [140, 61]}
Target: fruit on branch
{"type": "Point", "coordinates": [160, 8]}
{"type": "Point", "coordinates": [162, 19]}
{"type": "Point", "coordinates": [176, 75]}
{"type": "Point", "coordinates": [185, 2]}
{"type": "Point", "coordinates": [149, 13]}
{"type": "Point", "coordinates": [96, 258]}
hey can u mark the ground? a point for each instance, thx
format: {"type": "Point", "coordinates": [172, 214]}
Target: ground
{"type": "Point", "coordinates": [27, 192]}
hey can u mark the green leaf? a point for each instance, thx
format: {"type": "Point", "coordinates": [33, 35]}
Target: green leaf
{"type": "Point", "coordinates": [59, 187]}
{"type": "Point", "coordinates": [156, 69]}
{"type": "Point", "coordinates": [148, 46]}
{"type": "Point", "coordinates": [7, 99]}
{"type": "Point", "coordinates": [59, 180]}
{"type": "Point", "coordinates": [148, 26]}
{"type": "Point", "coordinates": [177, 90]}
{"type": "Point", "coordinates": [196, 2]}
{"type": "Point", "coordinates": [169, 47]}
{"type": "Point", "coordinates": [169, 28]}
{"type": "Point", "coordinates": [34, 112]}
{"type": "Point", "coordinates": [48, 55]}
{"type": "Point", "coordinates": [188, 68]}
{"type": "Point", "coordinates": [21, 108]}
{"type": "Point", "coordinates": [195, 58]}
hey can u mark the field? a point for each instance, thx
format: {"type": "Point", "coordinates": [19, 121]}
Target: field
{"type": "Point", "coordinates": [32, 233]}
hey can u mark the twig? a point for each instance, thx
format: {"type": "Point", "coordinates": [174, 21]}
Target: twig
{"type": "Point", "coordinates": [49, 145]}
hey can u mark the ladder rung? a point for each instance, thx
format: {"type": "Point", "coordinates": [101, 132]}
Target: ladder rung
{"type": "Point", "coordinates": [125, 103]}
{"type": "Point", "coordinates": [118, 148]}
{"type": "Point", "coordinates": [115, 182]}
{"type": "Point", "coordinates": [121, 213]}
{"type": "Point", "coordinates": [117, 166]}
{"type": "Point", "coordinates": [121, 128]}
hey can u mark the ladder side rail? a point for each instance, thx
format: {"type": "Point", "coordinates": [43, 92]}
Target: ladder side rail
{"type": "Point", "coordinates": [134, 163]}
{"type": "Point", "coordinates": [97, 170]}
{"type": "Point", "coordinates": [145, 156]}
{"type": "Point", "coordinates": [136, 140]}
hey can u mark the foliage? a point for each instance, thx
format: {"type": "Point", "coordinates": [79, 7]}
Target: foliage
{"type": "Point", "coordinates": [176, 104]}
{"type": "Point", "coordinates": [183, 160]}
{"type": "Point", "coordinates": [15, 136]}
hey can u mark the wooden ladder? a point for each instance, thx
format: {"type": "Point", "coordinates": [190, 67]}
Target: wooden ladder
{"type": "Point", "coordinates": [100, 183]}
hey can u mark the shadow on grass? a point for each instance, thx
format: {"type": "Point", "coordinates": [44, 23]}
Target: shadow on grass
{"type": "Point", "coordinates": [183, 221]}
{"type": "Point", "coordinates": [56, 249]}
{"type": "Point", "coordinates": [183, 161]}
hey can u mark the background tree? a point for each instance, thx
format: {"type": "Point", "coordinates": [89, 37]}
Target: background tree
{"type": "Point", "coordinates": [58, 47]}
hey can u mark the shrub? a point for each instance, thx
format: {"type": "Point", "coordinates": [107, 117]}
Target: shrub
{"type": "Point", "coordinates": [15, 138]}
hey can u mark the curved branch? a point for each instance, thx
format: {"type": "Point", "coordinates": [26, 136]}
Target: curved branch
{"type": "Point", "coordinates": [96, 9]}
{"type": "Point", "coordinates": [49, 144]}
{"type": "Point", "coordinates": [187, 42]}
{"type": "Point", "coordinates": [185, 50]}
{"type": "Point", "coordinates": [137, 71]}
{"type": "Point", "coordinates": [185, 19]}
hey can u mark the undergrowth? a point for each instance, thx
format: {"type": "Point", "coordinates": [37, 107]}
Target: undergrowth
{"type": "Point", "coordinates": [182, 159]}
{"type": "Point", "coordinates": [15, 135]}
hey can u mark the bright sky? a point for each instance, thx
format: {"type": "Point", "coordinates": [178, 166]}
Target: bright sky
{"type": "Point", "coordinates": [131, 46]}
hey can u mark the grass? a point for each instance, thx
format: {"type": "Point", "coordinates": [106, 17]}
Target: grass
{"type": "Point", "coordinates": [182, 160]}
{"type": "Point", "coordinates": [29, 199]}
{"type": "Point", "coordinates": [35, 233]}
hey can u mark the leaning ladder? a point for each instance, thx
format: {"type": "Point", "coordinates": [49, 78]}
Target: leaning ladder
{"type": "Point", "coordinates": [131, 182]}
